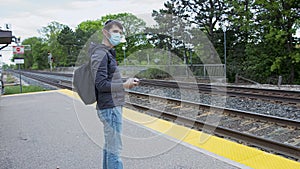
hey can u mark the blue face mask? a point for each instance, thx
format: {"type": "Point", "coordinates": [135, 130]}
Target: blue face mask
{"type": "Point", "coordinates": [115, 38]}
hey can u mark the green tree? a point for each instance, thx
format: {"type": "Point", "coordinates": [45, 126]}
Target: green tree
{"type": "Point", "coordinates": [92, 31]}
{"type": "Point", "coordinates": [67, 39]}
{"type": "Point", "coordinates": [260, 42]}
{"type": "Point", "coordinates": [205, 14]}
{"type": "Point", "coordinates": [135, 36]}
{"type": "Point", "coordinates": [238, 35]}
{"type": "Point", "coordinates": [28, 57]}
{"type": "Point", "coordinates": [51, 31]}
{"type": "Point", "coordinates": [90, 26]}
{"type": "Point", "coordinates": [170, 34]}
{"type": "Point", "coordinates": [275, 23]}
{"type": "Point", "coordinates": [182, 21]}
{"type": "Point", "coordinates": [49, 35]}
{"type": "Point", "coordinates": [37, 57]}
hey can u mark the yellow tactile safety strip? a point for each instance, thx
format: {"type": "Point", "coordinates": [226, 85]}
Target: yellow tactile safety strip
{"type": "Point", "coordinates": [242, 154]}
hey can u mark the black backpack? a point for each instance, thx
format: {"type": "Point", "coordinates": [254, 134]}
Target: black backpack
{"type": "Point", "coordinates": [83, 82]}
{"type": "Point", "coordinates": [84, 85]}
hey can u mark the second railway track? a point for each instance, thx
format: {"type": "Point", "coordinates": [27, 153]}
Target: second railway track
{"type": "Point", "coordinates": [270, 95]}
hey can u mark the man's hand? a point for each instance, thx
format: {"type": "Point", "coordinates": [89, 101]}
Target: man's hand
{"type": "Point", "coordinates": [131, 82]}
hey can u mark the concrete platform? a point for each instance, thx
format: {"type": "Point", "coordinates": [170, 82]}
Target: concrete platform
{"type": "Point", "coordinates": [50, 129]}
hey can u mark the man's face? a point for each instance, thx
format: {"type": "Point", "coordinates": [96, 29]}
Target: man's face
{"type": "Point", "coordinates": [114, 35]}
{"type": "Point", "coordinates": [115, 29]}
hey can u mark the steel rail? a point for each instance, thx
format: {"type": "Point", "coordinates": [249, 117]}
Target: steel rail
{"type": "Point", "coordinates": [65, 84]}
{"type": "Point", "coordinates": [265, 94]}
{"type": "Point", "coordinates": [50, 73]}
{"type": "Point", "coordinates": [262, 117]}
{"type": "Point", "coordinates": [270, 145]}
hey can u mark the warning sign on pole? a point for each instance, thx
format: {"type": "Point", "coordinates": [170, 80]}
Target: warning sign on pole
{"type": "Point", "coordinates": [19, 61]}
{"type": "Point", "coordinates": [18, 49]}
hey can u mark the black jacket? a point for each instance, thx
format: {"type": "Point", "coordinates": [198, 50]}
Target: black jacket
{"type": "Point", "coordinates": [108, 82]}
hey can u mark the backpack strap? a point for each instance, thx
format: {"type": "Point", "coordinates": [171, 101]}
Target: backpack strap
{"type": "Point", "coordinates": [104, 49]}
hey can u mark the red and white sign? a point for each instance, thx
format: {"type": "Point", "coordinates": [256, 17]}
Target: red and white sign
{"type": "Point", "coordinates": [18, 49]}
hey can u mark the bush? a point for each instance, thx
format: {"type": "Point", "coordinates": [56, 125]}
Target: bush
{"type": "Point", "coordinates": [153, 73]}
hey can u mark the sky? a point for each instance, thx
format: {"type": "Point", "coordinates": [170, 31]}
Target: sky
{"type": "Point", "coordinates": [27, 16]}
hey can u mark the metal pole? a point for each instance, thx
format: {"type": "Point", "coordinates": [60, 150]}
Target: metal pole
{"type": "Point", "coordinates": [204, 71]}
{"type": "Point", "coordinates": [186, 68]}
{"type": "Point", "coordinates": [191, 62]}
{"type": "Point", "coordinates": [191, 57]}
{"type": "Point", "coordinates": [124, 48]}
{"type": "Point", "coordinates": [50, 60]}
{"type": "Point", "coordinates": [50, 66]}
{"type": "Point", "coordinates": [124, 57]}
{"type": "Point", "coordinates": [225, 52]}
{"type": "Point", "coordinates": [20, 79]}
{"type": "Point", "coordinates": [148, 59]}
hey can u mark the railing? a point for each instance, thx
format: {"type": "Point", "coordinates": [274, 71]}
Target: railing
{"type": "Point", "coordinates": [197, 70]}
{"type": "Point", "coordinates": [204, 71]}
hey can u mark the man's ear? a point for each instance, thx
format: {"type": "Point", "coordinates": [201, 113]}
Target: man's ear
{"type": "Point", "coordinates": [105, 33]}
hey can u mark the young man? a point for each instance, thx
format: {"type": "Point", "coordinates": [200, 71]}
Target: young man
{"type": "Point", "coordinates": [110, 92]}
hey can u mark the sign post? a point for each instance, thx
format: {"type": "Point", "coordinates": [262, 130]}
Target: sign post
{"type": "Point", "coordinates": [19, 61]}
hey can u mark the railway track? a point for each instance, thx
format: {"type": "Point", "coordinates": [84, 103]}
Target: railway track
{"type": "Point", "coordinates": [253, 129]}
{"type": "Point", "coordinates": [60, 83]}
{"type": "Point", "coordinates": [273, 134]}
{"type": "Point", "coordinates": [270, 95]}
{"type": "Point", "coordinates": [285, 97]}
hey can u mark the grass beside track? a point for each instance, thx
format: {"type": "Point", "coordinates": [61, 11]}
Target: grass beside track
{"type": "Point", "coordinates": [25, 89]}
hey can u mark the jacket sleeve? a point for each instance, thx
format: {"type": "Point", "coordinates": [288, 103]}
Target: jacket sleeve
{"type": "Point", "coordinates": [99, 64]}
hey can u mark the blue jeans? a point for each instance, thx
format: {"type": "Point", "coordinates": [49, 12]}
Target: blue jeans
{"type": "Point", "coordinates": [112, 122]}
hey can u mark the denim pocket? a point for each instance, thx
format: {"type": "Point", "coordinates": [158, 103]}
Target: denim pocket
{"type": "Point", "coordinates": [102, 116]}
{"type": "Point", "coordinates": [111, 115]}
{"type": "Point", "coordinates": [117, 115]}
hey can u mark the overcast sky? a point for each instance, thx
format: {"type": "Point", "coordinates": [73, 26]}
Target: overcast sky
{"type": "Point", "coordinates": [27, 16]}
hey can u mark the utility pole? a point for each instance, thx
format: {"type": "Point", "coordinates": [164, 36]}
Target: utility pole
{"type": "Point", "coordinates": [124, 48]}
{"type": "Point", "coordinates": [224, 30]}
{"type": "Point", "coordinates": [50, 59]}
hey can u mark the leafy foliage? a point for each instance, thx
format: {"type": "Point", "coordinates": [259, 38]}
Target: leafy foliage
{"type": "Point", "coordinates": [260, 42]}
{"type": "Point", "coordinates": [259, 37]}
{"type": "Point", "coordinates": [37, 57]}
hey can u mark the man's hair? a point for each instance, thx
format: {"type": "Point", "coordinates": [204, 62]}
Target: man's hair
{"type": "Point", "coordinates": [108, 24]}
